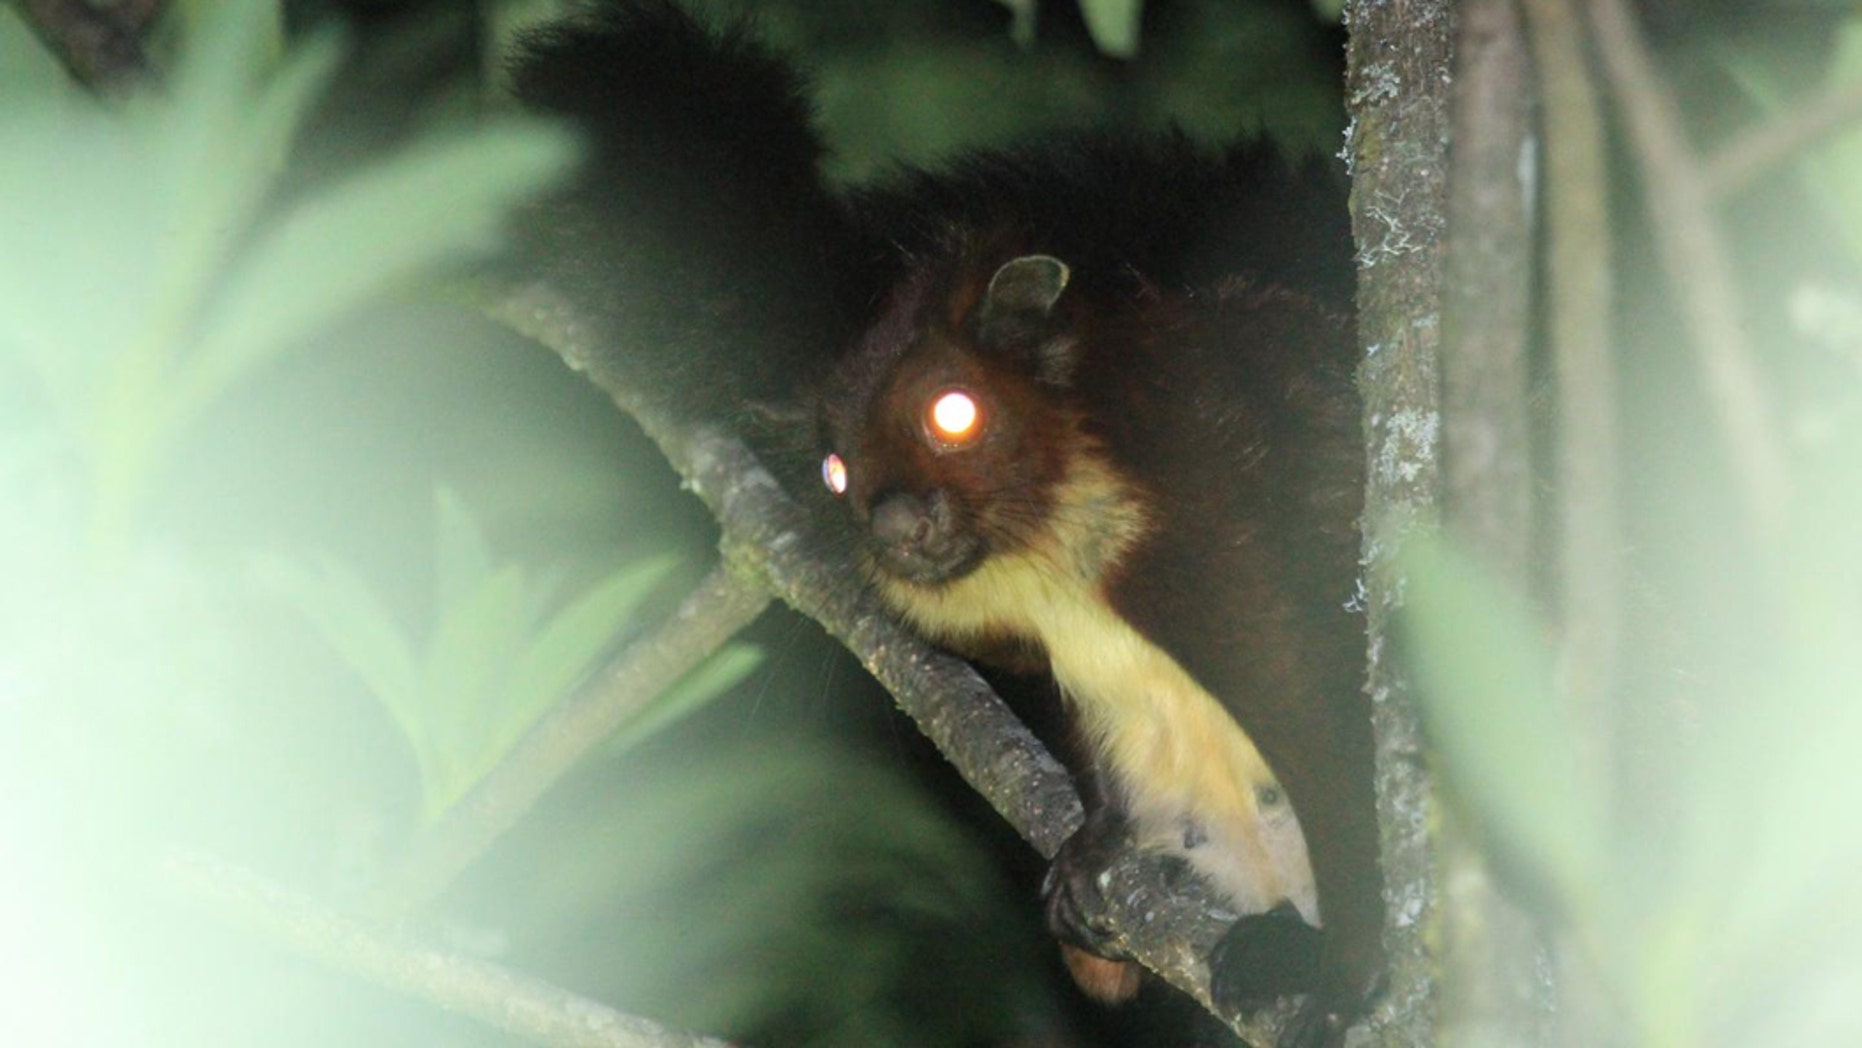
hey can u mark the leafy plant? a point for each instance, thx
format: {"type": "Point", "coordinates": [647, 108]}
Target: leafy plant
{"type": "Point", "coordinates": [496, 655]}
{"type": "Point", "coordinates": [146, 269]}
{"type": "Point", "coordinates": [1114, 25]}
{"type": "Point", "coordinates": [1494, 715]}
{"type": "Point", "coordinates": [1754, 886]}
{"type": "Point", "coordinates": [786, 890]}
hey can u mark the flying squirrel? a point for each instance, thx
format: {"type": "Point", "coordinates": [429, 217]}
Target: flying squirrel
{"type": "Point", "coordinates": [1085, 406]}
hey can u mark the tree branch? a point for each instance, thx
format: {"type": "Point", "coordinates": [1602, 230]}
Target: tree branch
{"type": "Point", "coordinates": [519, 1004]}
{"type": "Point", "coordinates": [1779, 140]}
{"type": "Point", "coordinates": [1579, 279]}
{"type": "Point", "coordinates": [775, 542]}
{"type": "Point", "coordinates": [1489, 989]}
{"type": "Point", "coordinates": [1162, 920]}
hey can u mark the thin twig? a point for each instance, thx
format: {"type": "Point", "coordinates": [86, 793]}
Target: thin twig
{"type": "Point", "coordinates": [1579, 280]}
{"type": "Point", "coordinates": [1698, 268]}
{"type": "Point", "coordinates": [721, 605]}
{"type": "Point", "coordinates": [1777, 141]}
{"type": "Point", "coordinates": [527, 1007]}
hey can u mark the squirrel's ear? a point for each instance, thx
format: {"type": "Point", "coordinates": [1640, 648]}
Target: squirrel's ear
{"type": "Point", "coordinates": [1014, 318]}
{"type": "Point", "coordinates": [1025, 287]}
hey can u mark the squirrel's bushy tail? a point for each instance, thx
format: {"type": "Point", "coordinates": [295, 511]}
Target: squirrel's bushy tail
{"type": "Point", "coordinates": [698, 233]}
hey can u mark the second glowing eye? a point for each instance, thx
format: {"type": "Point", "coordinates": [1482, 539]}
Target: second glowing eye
{"type": "Point", "coordinates": [954, 417]}
{"type": "Point", "coordinates": [834, 474]}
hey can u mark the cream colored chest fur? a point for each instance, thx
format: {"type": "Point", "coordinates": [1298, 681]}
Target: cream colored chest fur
{"type": "Point", "coordinates": [1187, 772]}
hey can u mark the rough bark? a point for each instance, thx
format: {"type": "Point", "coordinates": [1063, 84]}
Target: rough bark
{"type": "Point", "coordinates": [1397, 93]}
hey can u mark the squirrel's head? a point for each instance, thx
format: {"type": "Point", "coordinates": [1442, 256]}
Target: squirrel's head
{"type": "Point", "coordinates": [948, 428]}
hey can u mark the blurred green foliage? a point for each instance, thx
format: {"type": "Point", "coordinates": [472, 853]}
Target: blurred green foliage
{"type": "Point", "coordinates": [209, 346]}
{"type": "Point", "coordinates": [1834, 170]}
{"type": "Point", "coordinates": [1494, 714]}
{"type": "Point", "coordinates": [784, 889]}
{"type": "Point", "coordinates": [1736, 921]}
{"type": "Point", "coordinates": [499, 651]}
{"type": "Point", "coordinates": [136, 302]}
{"type": "Point", "coordinates": [1114, 25]}
{"type": "Point", "coordinates": [26, 68]}
{"type": "Point", "coordinates": [918, 82]}
{"type": "Point", "coordinates": [1707, 878]}
{"type": "Point", "coordinates": [219, 334]}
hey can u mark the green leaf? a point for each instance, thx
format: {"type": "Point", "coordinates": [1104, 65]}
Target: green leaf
{"type": "Point", "coordinates": [137, 301]}
{"type": "Point", "coordinates": [432, 204]}
{"type": "Point", "coordinates": [204, 154]}
{"type": "Point", "coordinates": [1492, 711]}
{"type": "Point", "coordinates": [475, 644]}
{"type": "Point", "coordinates": [72, 227]}
{"type": "Point", "coordinates": [353, 621]}
{"type": "Point", "coordinates": [461, 558]}
{"type": "Point", "coordinates": [730, 666]}
{"type": "Point", "coordinates": [217, 140]}
{"type": "Point", "coordinates": [1022, 28]}
{"type": "Point", "coordinates": [1114, 25]}
{"type": "Point", "coordinates": [546, 589]}
{"type": "Point", "coordinates": [569, 643]}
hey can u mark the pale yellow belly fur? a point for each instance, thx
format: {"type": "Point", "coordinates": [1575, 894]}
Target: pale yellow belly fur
{"type": "Point", "coordinates": [1177, 756]}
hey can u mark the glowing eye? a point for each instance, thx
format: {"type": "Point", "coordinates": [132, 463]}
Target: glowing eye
{"type": "Point", "coordinates": [834, 474]}
{"type": "Point", "coordinates": [954, 417]}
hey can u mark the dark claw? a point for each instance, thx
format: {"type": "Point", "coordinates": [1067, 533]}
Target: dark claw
{"type": "Point", "coordinates": [1276, 954]}
{"type": "Point", "coordinates": [1265, 956]}
{"type": "Point", "coordinates": [1075, 902]}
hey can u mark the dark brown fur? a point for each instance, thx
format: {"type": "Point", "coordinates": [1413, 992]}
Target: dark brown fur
{"type": "Point", "coordinates": [1171, 437]}
{"type": "Point", "coordinates": [1230, 416]}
